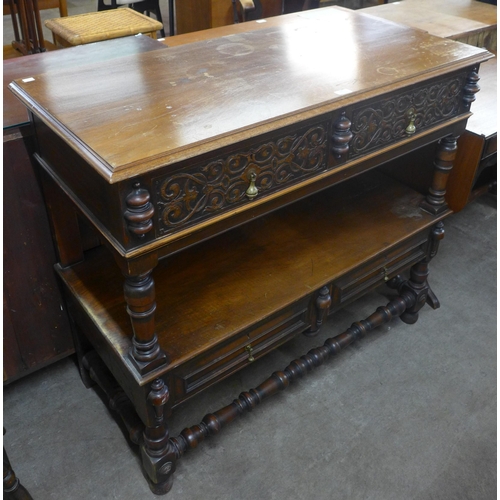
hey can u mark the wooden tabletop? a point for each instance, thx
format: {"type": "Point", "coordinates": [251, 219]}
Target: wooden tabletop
{"type": "Point", "coordinates": [148, 110]}
{"type": "Point", "coordinates": [14, 112]}
{"type": "Point", "coordinates": [446, 18]}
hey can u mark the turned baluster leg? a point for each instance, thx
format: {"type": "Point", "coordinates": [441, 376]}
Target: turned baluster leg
{"type": "Point", "coordinates": [434, 202]}
{"type": "Point", "coordinates": [322, 305]}
{"type": "Point", "coordinates": [158, 453]}
{"type": "Point", "coordinates": [417, 284]}
{"type": "Point", "coordinates": [141, 306]}
{"type": "Point", "coordinates": [213, 423]}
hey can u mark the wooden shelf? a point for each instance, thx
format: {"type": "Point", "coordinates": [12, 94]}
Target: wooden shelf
{"type": "Point", "coordinates": [210, 292]}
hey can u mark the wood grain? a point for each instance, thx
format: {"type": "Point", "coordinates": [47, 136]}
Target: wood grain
{"type": "Point", "coordinates": [212, 291]}
{"type": "Point", "coordinates": [14, 113]}
{"type": "Point", "coordinates": [150, 110]}
{"type": "Point", "coordinates": [446, 19]}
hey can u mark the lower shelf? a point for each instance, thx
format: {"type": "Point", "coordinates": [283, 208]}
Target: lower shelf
{"type": "Point", "coordinates": [241, 294]}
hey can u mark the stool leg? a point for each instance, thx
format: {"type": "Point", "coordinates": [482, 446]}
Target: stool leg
{"type": "Point", "coordinates": [12, 488]}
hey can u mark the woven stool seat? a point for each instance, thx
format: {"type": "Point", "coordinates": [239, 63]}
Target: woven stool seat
{"type": "Point", "coordinates": [99, 26]}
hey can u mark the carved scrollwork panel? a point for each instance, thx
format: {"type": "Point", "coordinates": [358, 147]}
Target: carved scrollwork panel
{"type": "Point", "coordinates": [384, 122]}
{"type": "Point", "coordinates": [194, 194]}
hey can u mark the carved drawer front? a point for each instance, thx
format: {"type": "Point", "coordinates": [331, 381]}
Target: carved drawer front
{"type": "Point", "coordinates": [378, 271]}
{"type": "Point", "coordinates": [371, 125]}
{"type": "Point", "coordinates": [229, 180]}
{"type": "Point", "coordinates": [239, 351]}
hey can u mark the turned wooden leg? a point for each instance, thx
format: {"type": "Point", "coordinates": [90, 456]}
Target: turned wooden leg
{"type": "Point", "coordinates": [417, 284]}
{"type": "Point", "coordinates": [141, 305]}
{"type": "Point", "coordinates": [158, 453]}
{"type": "Point", "coordinates": [12, 488]}
{"type": "Point", "coordinates": [434, 202]}
{"type": "Point", "coordinates": [212, 423]}
{"type": "Point", "coordinates": [117, 400]}
{"type": "Point", "coordinates": [322, 305]}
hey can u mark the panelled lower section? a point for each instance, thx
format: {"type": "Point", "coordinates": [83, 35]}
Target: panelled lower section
{"type": "Point", "coordinates": [240, 350]}
{"type": "Point", "coordinates": [255, 287]}
{"type": "Point", "coordinates": [379, 270]}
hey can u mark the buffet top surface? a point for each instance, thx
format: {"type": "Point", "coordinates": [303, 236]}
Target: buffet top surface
{"type": "Point", "coordinates": [146, 110]}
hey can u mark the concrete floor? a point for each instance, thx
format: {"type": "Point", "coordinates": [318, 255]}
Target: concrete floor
{"type": "Point", "coordinates": [409, 413]}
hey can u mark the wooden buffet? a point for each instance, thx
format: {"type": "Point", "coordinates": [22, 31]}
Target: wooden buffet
{"type": "Point", "coordinates": [233, 186]}
{"type": "Point", "coordinates": [36, 329]}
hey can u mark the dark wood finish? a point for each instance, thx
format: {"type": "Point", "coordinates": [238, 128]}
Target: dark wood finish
{"type": "Point", "coordinates": [467, 21]}
{"type": "Point", "coordinates": [12, 487]}
{"type": "Point", "coordinates": [15, 114]}
{"type": "Point", "coordinates": [474, 170]}
{"type": "Point", "coordinates": [474, 167]}
{"type": "Point", "coordinates": [42, 5]}
{"type": "Point", "coordinates": [435, 199]}
{"type": "Point", "coordinates": [260, 251]}
{"type": "Point", "coordinates": [36, 327]}
{"type": "Point", "coordinates": [116, 398]}
{"type": "Point", "coordinates": [413, 295]}
{"type": "Point", "coordinates": [197, 15]}
{"type": "Point", "coordinates": [27, 25]}
{"type": "Point", "coordinates": [236, 212]}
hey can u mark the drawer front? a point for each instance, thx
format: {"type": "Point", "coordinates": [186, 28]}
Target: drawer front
{"type": "Point", "coordinates": [199, 192]}
{"type": "Point", "coordinates": [376, 272]}
{"type": "Point", "coordinates": [239, 351]}
{"type": "Point", "coordinates": [232, 178]}
{"type": "Point", "coordinates": [383, 122]}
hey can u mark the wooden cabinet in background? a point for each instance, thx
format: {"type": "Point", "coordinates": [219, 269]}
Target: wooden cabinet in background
{"type": "Point", "coordinates": [36, 327]}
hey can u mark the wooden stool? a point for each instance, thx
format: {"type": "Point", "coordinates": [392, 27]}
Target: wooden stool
{"type": "Point", "coordinates": [99, 26]}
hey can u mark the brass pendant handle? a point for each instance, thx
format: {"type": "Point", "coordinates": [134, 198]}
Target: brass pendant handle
{"type": "Point", "coordinates": [252, 190]}
{"type": "Point", "coordinates": [411, 129]}
{"type": "Point", "coordinates": [249, 349]}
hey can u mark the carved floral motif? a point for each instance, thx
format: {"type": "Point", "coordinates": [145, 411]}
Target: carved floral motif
{"type": "Point", "coordinates": [195, 194]}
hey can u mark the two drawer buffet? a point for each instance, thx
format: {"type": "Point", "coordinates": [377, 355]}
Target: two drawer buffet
{"type": "Point", "coordinates": [233, 186]}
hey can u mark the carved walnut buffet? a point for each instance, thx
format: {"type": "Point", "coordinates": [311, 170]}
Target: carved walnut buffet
{"type": "Point", "coordinates": [233, 186]}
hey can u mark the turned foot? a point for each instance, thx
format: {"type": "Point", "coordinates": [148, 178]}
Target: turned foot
{"type": "Point", "coordinates": [417, 285]}
{"type": "Point", "coordinates": [158, 454]}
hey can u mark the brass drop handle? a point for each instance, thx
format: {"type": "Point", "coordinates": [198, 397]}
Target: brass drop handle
{"type": "Point", "coordinates": [411, 129]}
{"type": "Point", "coordinates": [386, 274]}
{"type": "Point", "coordinates": [252, 190]}
{"type": "Point", "coordinates": [249, 349]}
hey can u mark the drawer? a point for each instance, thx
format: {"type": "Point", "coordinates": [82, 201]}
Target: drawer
{"type": "Point", "coordinates": [239, 351]}
{"type": "Point", "coordinates": [271, 163]}
{"type": "Point", "coordinates": [196, 193]}
{"type": "Point", "coordinates": [379, 123]}
{"type": "Point", "coordinates": [378, 271]}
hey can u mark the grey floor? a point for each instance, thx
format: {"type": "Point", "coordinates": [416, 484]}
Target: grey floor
{"type": "Point", "coordinates": [409, 413]}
